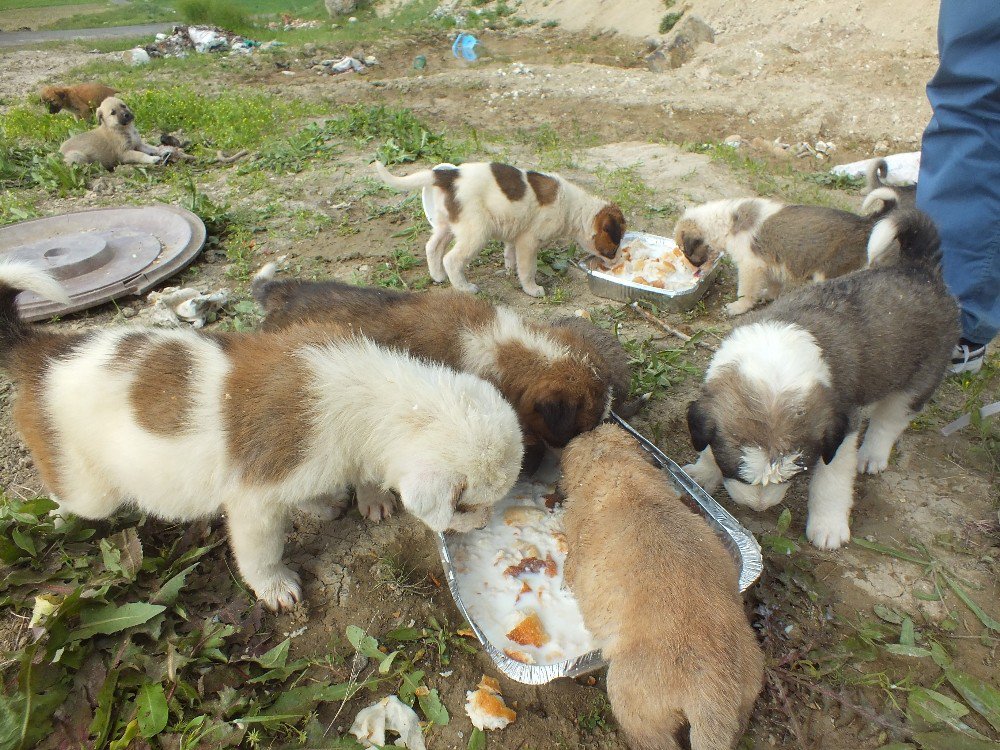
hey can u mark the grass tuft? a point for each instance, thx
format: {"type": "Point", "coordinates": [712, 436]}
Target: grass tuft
{"type": "Point", "coordinates": [222, 13]}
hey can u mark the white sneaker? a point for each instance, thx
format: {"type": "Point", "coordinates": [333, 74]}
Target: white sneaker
{"type": "Point", "coordinates": [967, 359]}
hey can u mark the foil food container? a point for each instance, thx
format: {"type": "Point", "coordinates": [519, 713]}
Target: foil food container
{"type": "Point", "coordinates": [740, 543]}
{"type": "Point", "coordinates": [622, 290]}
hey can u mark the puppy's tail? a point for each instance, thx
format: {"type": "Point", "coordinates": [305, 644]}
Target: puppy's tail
{"type": "Point", "coordinates": [415, 181]}
{"type": "Point", "coordinates": [913, 232]}
{"type": "Point", "coordinates": [888, 197]}
{"type": "Point", "coordinates": [876, 173]}
{"type": "Point", "coordinates": [15, 278]}
{"type": "Point", "coordinates": [261, 282]}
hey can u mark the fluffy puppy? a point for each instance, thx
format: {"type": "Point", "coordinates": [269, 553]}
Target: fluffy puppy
{"type": "Point", "coordinates": [784, 392]}
{"type": "Point", "coordinates": [557, 380]}
{"type": "Point", "coordinates": [478, 202]}
{"type": "Point", "coordinates": [185, 424]}
{"type": "Point", "coordinates": [892, 196]}
{"type": "Point", "coordinates": [82, 99]}
{"type": "Point", "coordinates": [660, 594]}
{"type": "Point", "coordinates": [775, 245]}
{"type": "Point", "coordinates": [114, 141]}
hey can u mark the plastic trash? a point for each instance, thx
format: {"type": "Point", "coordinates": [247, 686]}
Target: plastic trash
{"type": "Point", "coordinates": [464, 47]}
{"type": "Point", "coordinates": [420, 62]}
{"type": "Point", "coordinates": [137, 56]}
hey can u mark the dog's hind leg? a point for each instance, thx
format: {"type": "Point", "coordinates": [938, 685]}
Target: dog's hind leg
{"type": "Point", "coordinates": [86, 493]}
{"type": "Point", "coordinates": [509, 257]}
{"type": "Point", "coordinates": [375, 503]}
{"type": "Point", "coordinates": [526, 247]}
{"type": "Point", "coordinates": [435, 248]}
{"type": "Point", "coordinates": [751, 284]}
{"type": "Point", "coordinates": [890, 417]}
{"type": "Point", "coordinates": [831, 495]}
{"type": "Point", "coordinates": [466, 247]}
{"type": "Point", "coordinates": [257, 536]}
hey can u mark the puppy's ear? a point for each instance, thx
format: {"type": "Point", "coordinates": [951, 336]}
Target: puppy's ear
{"type": "Point", "coordinates": [701, 426]}
{"type": "Point", "coordinates": [834, 436]}
{"type": "Point", "coordinates": [610, 228]}
{"type": "Point", "coordinates": [100, 117]}
{"type": "Point", "coordinates": [559, 417]}
{"type": "Point", "coordinates": [432, 496]}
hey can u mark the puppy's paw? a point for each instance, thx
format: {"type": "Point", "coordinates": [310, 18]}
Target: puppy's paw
{"type": "Point", "coordinates": [828, 531]}
{"type": "Point", "coordinates": [438, 276]}
{"type": "Point", "coordinates": [739, 307]}
{"type": "Point", "coordinates": [872, 462]}
{"type": "Point", "coordinates": [708, 477]}
{"type": "Point", "coordinates": [376, 506]}
{"type": "Point", "coordinates": [466, 286]}
{"type": "Point", "coordinates": [279, 589]}
{"type": "Point", "coordinates": [533, 290]}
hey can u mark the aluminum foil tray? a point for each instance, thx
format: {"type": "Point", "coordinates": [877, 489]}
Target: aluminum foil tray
{"type": "Point", "coordinates": [740, 543]}
{"type": "Point", "coordinates": [622, 290]}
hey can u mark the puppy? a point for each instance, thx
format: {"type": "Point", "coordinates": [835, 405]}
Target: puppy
{"type": "Point", "coordinates": [558, 381]}
{"type": "Point", "coordinates": [185, 424]}
{"type": "Point", "coordinates": [478, 202]}
{"type": "Point", "coordinates": [775, 245]}
{"type": "Point", "coordinates": [114, 141]}
{"type": "Point", "coordinates": [82, 100]}
{"type": "Point", "coordinates": [784, 392]}
{"type": "Point", "coordinates": [876, 189]}
{"type": "Point", "coordinates": [660, 594]}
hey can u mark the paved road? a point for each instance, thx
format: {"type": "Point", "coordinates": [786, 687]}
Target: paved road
{"type": "Point", "coordinates": [22, 38]}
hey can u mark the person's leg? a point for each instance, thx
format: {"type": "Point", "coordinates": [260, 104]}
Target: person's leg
{"type": "Point", "coordinates": [959, 184]}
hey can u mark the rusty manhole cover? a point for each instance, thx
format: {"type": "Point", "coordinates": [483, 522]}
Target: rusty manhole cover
{"type": "Point", "coordinates": [103, 254]}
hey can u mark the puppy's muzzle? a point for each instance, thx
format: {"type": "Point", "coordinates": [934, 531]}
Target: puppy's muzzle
{"type": "Point", "coordinates": [127, 117]}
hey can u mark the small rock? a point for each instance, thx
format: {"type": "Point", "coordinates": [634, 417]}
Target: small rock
{"type": "Point", "coordinates": [680, 44]}
{"type": "Point", "coordinates": [340, 7]}
{"type": "Point", "coordinates": [734, 141]}
{"type": "Point", "coordinates": [352, 19]}
{"type": "Point", "coordinates": [651, 43]}
{"type": "Point", "coordinates": [309, 50]}
{"type": "Point", "coordinates": [137, 56]}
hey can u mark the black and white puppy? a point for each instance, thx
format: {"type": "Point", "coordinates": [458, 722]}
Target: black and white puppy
{"type": "Point", "coordinates": [774, 245]}
{"type": "Point", "coordinates": [785, 390]}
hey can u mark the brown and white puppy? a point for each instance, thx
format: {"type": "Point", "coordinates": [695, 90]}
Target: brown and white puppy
{"type": "Point", "coordinates": [784, 392]}
{"type": "Point", "coordinates": [479, 201]}
{"type": "Point", "coordinates": [114, 141]}
{"type": "Point", "coordinates": [774, 245]}
{"type": "Point", "coordinates": [891, 196]}
{"type": "Point", "coordinates": [82, 99]}
{"type": "Point", "coordinates": [557, 380]}
{"type": "Point", "coordinates": [660, 594]}
{"type": "Point", "coordinates": [185, 424]}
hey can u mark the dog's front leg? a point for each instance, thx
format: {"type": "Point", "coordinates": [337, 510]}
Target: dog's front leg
{"type": "Point", "coordinates": [751, 281]}
{"type": "Point", "coordinates": [138, 157]}
{"type": "Point", "coordinates": [705, 471]}
{"type": "Point", "coordinates": [890, 417]}
{"type": "Point", "coordinates": [509, 257]}
{"type": "Point", "coordinates": [526, 251]}
{"type": "Point", "coordinates": [374, 503]}
{"type": "Point", "coordinates": [831, 495]}
{"type": "Point", "coordinates": [257, 535]}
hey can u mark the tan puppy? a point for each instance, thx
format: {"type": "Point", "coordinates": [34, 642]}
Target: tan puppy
{"type": "Point", "coordinates": [82, 100]}
{"type": "Point", "coordinates": [558, 381]}
{"type": "Point", "coordinates": [478, 202]}
{"type": "Point", "coordinates": [114, 141]}
{"type": "Point", "coordinates": [776, 246]}
{"type": "Point", "coordinates": [660, 594]}
{"type": "Point", "coordinates": [185, 424]}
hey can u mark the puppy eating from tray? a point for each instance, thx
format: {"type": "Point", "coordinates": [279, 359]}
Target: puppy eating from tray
{"type": "Point", "coordinates": [784, 392]}
{"type": "Point", "coordinates": [775, 246]}
{"type": "Point", "coordinates": [185, 425]}
{"type": "Point", "coordinates": [478, 202]}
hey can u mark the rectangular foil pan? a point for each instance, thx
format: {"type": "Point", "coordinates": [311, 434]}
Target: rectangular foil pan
{"type": "Point", "coordinates": [740, 543]}
{"type": "Point", "coordinates": [622, 290]}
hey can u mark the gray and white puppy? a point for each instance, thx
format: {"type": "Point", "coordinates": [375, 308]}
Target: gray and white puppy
{"type": "Point", "coordinates": [785, 390]}
{"type": "Point", "coordinates": [891, 196]}
{"type": "Point", "coordinates": [777, 246]}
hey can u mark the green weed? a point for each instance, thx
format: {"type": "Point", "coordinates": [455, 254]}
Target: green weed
{"type": "Point", "coordinates": [654, 370]}
{"type": "Point", "coordinates": [222, 13]}
{"type": "Point", "coordinates": [598, 716]}
{"type": "Point", "coordinates": [669, 20]}
{"type": "Point", "coordinates": [404, 137]}
{"type": "Point", "coordinates": [626, 188]}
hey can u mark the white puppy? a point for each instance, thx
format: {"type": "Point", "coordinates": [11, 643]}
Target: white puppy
{"type": "Point", "coordinates": [114, 141]}
{"type": "Point", "coordinates": [185, 424]}
{"type": "Point", "coordinates": [479, 201]}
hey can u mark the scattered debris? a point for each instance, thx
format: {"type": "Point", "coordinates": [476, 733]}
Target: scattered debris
{"type": "Point", "coordinates": [288, 23]}
{"type": "Point", "coordinates": [517, 69]}
{"type": "Point", "coordinates": [201, 39]}
{"type": "Point", "coordinates": [344, 65]}
{"type": "Point", "coordinates": [137, 56]}
{"type": "Point", "coordinates": [389, 714]}
{"type": "Point", "coordinates": [819, 150]}
{"type": "Point", "coordinates": [419, 62]}
{"type": "Point", "coordinates": [485, 706]}
{"type": "Point", "coordinates": [464, 47]}
{"type": "Point", "coordinates": [903, 168]}
{"type": "Point", "coordinates": [990, 410]}
{"type": "Point", "coordinates": [173, 306]}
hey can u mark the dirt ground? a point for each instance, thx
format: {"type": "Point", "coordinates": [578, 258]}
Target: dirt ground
{"type": "Point", "coordinates": [836, 71]}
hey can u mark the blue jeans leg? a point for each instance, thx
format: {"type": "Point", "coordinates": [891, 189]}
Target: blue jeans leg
{"type": "Point", "coordinates": [959, 183]}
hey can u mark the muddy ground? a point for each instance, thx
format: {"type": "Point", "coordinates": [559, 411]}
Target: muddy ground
{"type": "Point", "coordinates": [608, 113]}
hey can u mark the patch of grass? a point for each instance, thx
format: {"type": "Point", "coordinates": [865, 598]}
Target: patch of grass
{"type": "Point", "coordinates": [669, 20]}
{"type": "Point", "coordinates": [554, 150]}
{"type": "Point", "coordinates": [18, 4]}
{"type": "Point", "coordinates": [397, 577]}
{"type": "Point", "coordinates": [557, 296]}
{"type": "Point", "coordinates": [404, 138]}
{"type": "Point", "coordinates": [388, 273]}
{"type": "Point", "coordinates": [132, 13]}
{"type": "Point", "coordinates": [655, 370]}
{"type": "Point", "coordinates": [836, 181]}
{"type": "Point", "coordinates": [597, 716]}
{"type": "Point", "coordinates": [222, 13]}
{"type": "Point", "coordinates": [550, 24]}
{"type": "Point", "coordinates": [626, 188]}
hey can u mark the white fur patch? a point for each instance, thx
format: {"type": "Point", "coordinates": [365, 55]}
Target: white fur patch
{"type": "Point", "coordinates": [757, 467]}
{"type": "Point", "coordinates": [882, 238]}
{"type": "Point", "coordinates": [715, 219]}
{"type": "Point", "coordinates": [782, 357]}
{"type": "Point", "coordinates": [26, 277]}
{"type": "Point", "coordinates": [479, 347]}
{"type": "Point", "coordinates": [883, 195]}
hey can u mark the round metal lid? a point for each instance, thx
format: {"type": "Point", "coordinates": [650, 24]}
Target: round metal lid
{"type": "Point", "coordinates": [103, 254]}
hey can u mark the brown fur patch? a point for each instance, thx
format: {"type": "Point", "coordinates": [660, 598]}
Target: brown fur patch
{"type": "Point", "coordinates": [160, 396]}
{"type": "Point", "coordinates": [609, 227]}
{"type": "Point", "coordinates": [82, 99]}
{"type": "Point", "coordinates": [29, 364]}
{"type": "Point", "coordinates": [545, 188]}
{"type": "Point", "coordinates": [746, 217]}
{"type": "Point", "coordinates": [267, 405]}
{"type": "Point", "coordinates": [805, 240]}
{"type": "Point", "coordinates": [510, 180]}
{"type": "Point", "coordinates": [445, 179]}
{"type": "Point", "coordinates": [129, 347]}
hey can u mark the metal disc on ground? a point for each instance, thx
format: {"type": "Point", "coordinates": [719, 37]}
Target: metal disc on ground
{"type": "Point", "coordinates": [103, 254]}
